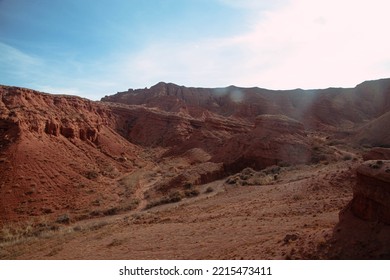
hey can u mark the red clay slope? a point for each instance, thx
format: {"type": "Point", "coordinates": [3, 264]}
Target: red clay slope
{"type": "Point", "coordinates": [58, 154]}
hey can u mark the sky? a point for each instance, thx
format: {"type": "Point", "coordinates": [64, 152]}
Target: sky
{"type": "Point", "coordinates": [93, 48]}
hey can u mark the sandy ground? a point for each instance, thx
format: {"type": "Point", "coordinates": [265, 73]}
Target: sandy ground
{"type": "Point", "coordinates": [293, 218]}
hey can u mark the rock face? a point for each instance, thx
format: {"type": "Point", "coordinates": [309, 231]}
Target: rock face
{"type": "Point", "coordinates": [371, 194]}
{"type": "Point", "coordinates": [58, 153]}
{"type": "Point", "coordinates": [176, 133]}
{"type": "Point", "coordinates": [373, 133]}
{"type": "Point", "coordinates": [202, 173]}
{"type": "Point", "coordinates": [377, 153]}
{"type": "Point", "coordinates": [65, 154]}
{"type": "Point", "coordinates": [274, 140]}
{"type": "Point", "coordinates": [325, 109]}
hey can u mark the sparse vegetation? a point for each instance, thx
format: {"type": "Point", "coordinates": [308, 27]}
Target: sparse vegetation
{"type": "Point", "coordinates": [18, 231]}
{"type": "Point", "coordinates": [111, 211]}
{"type": "Point", "coordinates": [171, 198]}
{"type": "Point", "coordinates": [96, 202]}
{"type": "Point", "coordinates": [77, 228]}
{"type": "Point", "coordinates": [209, 190]}
{"type": "Point", "coordinates": [98, 225]}
{"type": "Point", "coordinates": [347, 157]}
{"type": "Point", "coordinates": [93, 180]}
{"type": "Point", "coordinates": [231, 180]}
{"type": "Point", "coordinates": [124, 206]}
{"type": "Point", "coordinates": [95, 213]}
{"type": "Point", "coordinates": [188, 186]}
{"type": "Point", "coordinates": [191, 193]}
{"type": "Point", "coordinates": [91, 174]}
{"type": "Point", "coordinates": [377, 165]}
{"type": "Point", "coordinates": [130, 205]}
{"type": "Point", "coordinates": [272, 170]}
{"type": "Point", "coordinates": [63, 219]}
{"type": "Point", "coordinates": [115, 242]}
{"type": "Point", "coordinates": [318, 158]}
{"type": "Point", "coordinates": [250, 177]}
{"type": "Point", "coordinates": [297, 197]}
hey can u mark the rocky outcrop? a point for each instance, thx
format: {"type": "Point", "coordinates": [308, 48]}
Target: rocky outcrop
{"type": "Point", "coordinates": [58, 154]}
{"type": "Point", "coordinates": [371, 194]}
{"type": "Point", "coordinates": [275, 140]}
{"type": "Point", "coordinates": [150, 127]}
{"type": "Point", "coordinates": [69, 116]}
{"type": "Point", "coordinates": [195, 175]}
{"type": "Point", "coordinates": [377, 153]}
{"type": "Point", "coordinates": [62, 152]}
{"type": "Point", "coordinates": [326, 109]}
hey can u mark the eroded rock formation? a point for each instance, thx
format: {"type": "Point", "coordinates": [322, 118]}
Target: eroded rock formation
{"type": "Point", "coordinates": [275, 140]}
{"type": "Point", "coordinates": [371, 194]}
{"type": "Point", "coordinates": [65, 153]}
{"type": "Point", "coordinates": [58, 154]}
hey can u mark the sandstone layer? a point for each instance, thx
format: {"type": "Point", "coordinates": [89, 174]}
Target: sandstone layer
{"type": "Point", "coordinates": [64, 154]}
{"type": "Point", "coordinates": [59, 154]}
{"type": "Point", "coordinates": [371, 194]}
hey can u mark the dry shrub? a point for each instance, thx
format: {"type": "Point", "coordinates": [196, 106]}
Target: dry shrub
{"type": "Point", "coordinates": [171, 198]}
{"type": "Point", "coordinates": [21, 230]}
{"type": "Point", "coordinates": [191, 193]}
{"type": "Point", "coordinates": [209, 190]}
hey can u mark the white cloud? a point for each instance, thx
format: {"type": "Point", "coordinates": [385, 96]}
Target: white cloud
{"type": "Point", "coordinates": [302, 43]}
{"type": "Point", "coordinates": [306, 43]}
{"type": "Point", "coordinates": [253, 4]}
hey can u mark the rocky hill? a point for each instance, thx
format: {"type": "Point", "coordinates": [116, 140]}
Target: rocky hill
{"type": "Point", "coordinates": [65, 155]}
{"type": "Point", "coordinates": [59, 154]}
{"type": "Point", "coordinates": [332, 108]}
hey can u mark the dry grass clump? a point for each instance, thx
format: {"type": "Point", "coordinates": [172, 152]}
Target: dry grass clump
{"type": "Point", "coordinates": [123, 207]}
{"type": "Point", "coordinates": [16, 232]}
{"type": "Point", "coordinates": [91, 174]}
{"type": "Point", "coordinates": [209, 190]}
{"type": "Point", "coordinates": [173, 197]}
{"type": "Point", "coordinates": [250, 177]}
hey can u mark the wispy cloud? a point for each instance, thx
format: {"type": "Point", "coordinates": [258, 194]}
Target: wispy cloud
{"type": "Point", "coordinates": [67, 76]}
{"type": "Point", "coordinates": [290, 44]}
{"type": "Point", "coordinates": [302, 44]}
{"type": "Point", "coordinates": [13, 61]}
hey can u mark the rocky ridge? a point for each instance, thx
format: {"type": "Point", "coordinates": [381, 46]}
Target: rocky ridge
{"type": "Point", "coordinates": [58, 154]}
{"type": "Point", "coordinates": [65, 154]}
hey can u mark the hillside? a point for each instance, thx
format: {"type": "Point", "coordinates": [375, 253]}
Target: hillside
{"type": "Point", "coordinates": [59, 154]}
{"type": "Point", "coordinates": [155, 159]}
{"type": "Point", "coordinates": [330, 108]}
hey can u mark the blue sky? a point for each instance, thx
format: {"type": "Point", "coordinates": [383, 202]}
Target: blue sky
{"type": "Point", "coordinates": [93, 48]}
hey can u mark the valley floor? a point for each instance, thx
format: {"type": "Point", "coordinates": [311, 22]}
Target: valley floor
{"type": "Point", "coordinates": [296, 217]}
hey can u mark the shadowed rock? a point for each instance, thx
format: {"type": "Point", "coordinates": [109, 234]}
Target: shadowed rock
{"type": "Point", "coordinates": [371, 194]}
